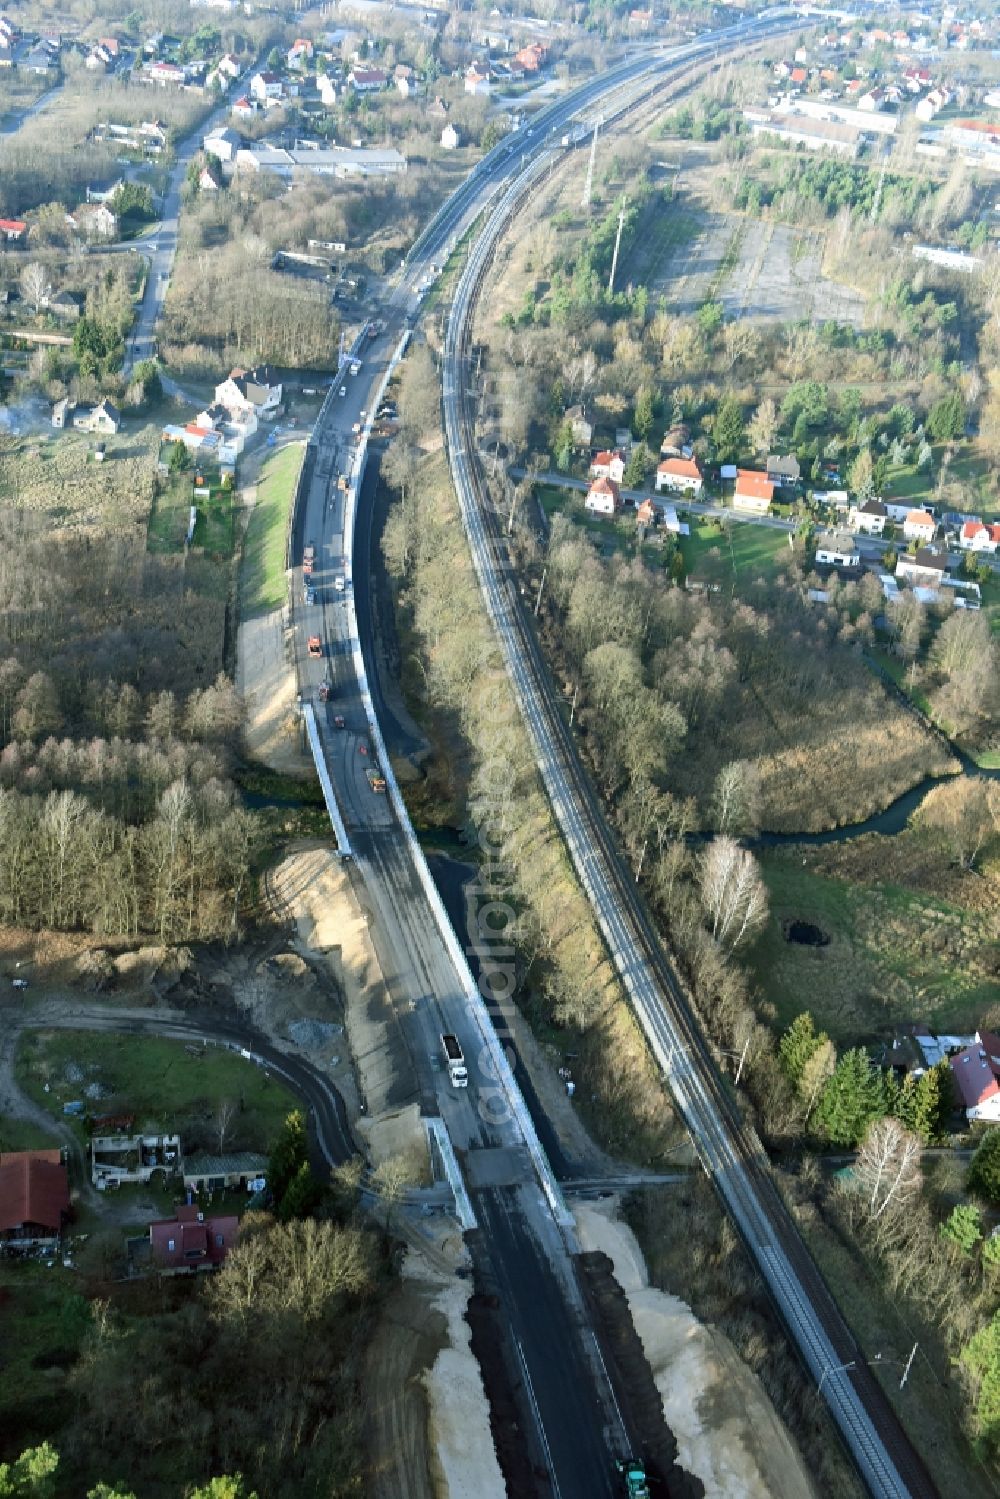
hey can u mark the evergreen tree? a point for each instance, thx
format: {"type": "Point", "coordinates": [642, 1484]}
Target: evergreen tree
{"type": "Point", "coordinates": [984, 1172]}
{"type": "Point", "coordinates": [301, 1195]}
{"type": "Point", "coordinates": [964, 1228]}
{"type": "Point", "coordinates": [728, 430]}
{"type": "Point", "coordinates": [853, 1098]}
{"type": "Point", "coordinates": [924, 1103]}
{"type": "Point", "coordinates": [642, 419]}
{"type": "Point", "coordinates": [981, 1355]}
{"type": "Point", "coordinates": [32, 1475]}
{"type": "Point", "coordinates": [288, 1155]}
{"type": "Point", "coordinates": [797, 1045]}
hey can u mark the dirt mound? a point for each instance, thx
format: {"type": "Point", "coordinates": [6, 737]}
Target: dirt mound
{"type": "Point", "coordinates": [489, 1339]}
{"type": "Point", "coordinates": [632, 1378]}
{"type": "Point", "coordinates": [95, 969]}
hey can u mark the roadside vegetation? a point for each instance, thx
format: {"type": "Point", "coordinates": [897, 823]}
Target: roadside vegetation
{"type": "Point", "coordinates": [263, 581]}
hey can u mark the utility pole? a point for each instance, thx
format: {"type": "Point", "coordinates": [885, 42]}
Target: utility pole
{"type": "Point", "coordinates": [588, 186]}
{"type": "Point", "coordinates": [614, 258]}
{"type": "Point", "coordinates": [538, 605]}
{"type": "Point", "coordinates": [909, 1361]}
{"type": "Point", "coordinates": [576, 691]}
{"type": "Point", "coordinates": [743, 1057]}
{"type": "Point", "coordinates": [513, 508]}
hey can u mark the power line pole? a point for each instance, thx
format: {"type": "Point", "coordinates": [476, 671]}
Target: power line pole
{"type": "Point", "coordinates": [614, 258]}
{"type": "Point", "coordinates": [588, 187]}
{"type": "Point", "coordinates": [909, 1361]}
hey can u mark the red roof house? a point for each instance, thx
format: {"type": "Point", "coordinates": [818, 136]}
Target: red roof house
{"type": "Point", "coordinates": [13, 229]}
{"type": "Point", "coordinates": [608, 465]}
{"type": "Point", "coordinates": [976, 1072]}
{"type": "Point", "coordinates": [603, 497]}
{"type": "Point", "coordinates": [754, 491]}
{"type": "Point", "coordinates": [192, 1241]}
{"type": "Point", "coordinates": [679, 474]}
{"type": "Point", "coordinates": [34, 1195]}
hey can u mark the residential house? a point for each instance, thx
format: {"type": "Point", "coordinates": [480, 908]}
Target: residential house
{"type": "Point", "coordinates": [40, 59]}
{"type": "Point", "coordinates": [869, 517]}
{"type": "Point", "coordinates": [603, 497]}
{"type": "Point", "coordinates": [65, 305]}
{"type": "Point", "coordinates": [477, 82]}
{"type": "Point", "coordinates": [166, 74]}
{"type": "Point", "coordinates": [228, 66]}
{"type": "Point", "coordinates": [872, 100]}
{"type": "Point", "coordinates": [581, 428]}
{"type": "Point", "coordinates": [753, 493]}
{"type": "Point", "coordinates": [244, 108]}
{"type": "Point", "coordinates": [608, 465]}
{"type": "Point", "coordinates": [367, 80]}
{"type": "Point", "coordinates": [60, 411]}
{"type": "Point", "coordinates": [13, 231]}
{"type": "Point", "coordinates": [931, 104]}
{"type": "Point", "coordinates": [531, 59]}
{"type": "Point", "coordinates": [837, 549]}
{"type": "Point", "coordinates": [438, 109]}
{"type": "Point", "coordinates": [927, 567]}
{"type": "Point", "coordinates": [102, 418]}
{"type": "Point", "coordinates": [102, 56]}
{"type": "Point", "coordinates": [898, 510]}
{"type": "Point", "coordinates": [222, 143]}
{"type": "Point", "coordinates": [977, 537]}
{"type": "Point", "coordinates": [34, 1198]}
{"type": "Point", "coordinates": [116, 1160]}
{"type": "Point", "coordinates": [214, 1173]}
{"type": "Point", "coordinates": [783, 472]}
{"type": "Point", "coordinates": [326, 87]}
{"type": "Point", "coordinates": [975, 1071]}
{"type": "Point", "coordinates": [299, 53]}
{"type": "Point", "coordinates": [266, 88]}
{"type": "Point", "coordinates": [259, 389]}
{"type": "Point", "coordinates": [206, 182]}
{"type": "Point", "coordinates": [450, 138]}
{"type": "Point", "coordinates": [196, 439]}
{"type": "Point", "coordinates": [647, 513]}
{"type": "Point", "coordinates": [676, 443]}
{"type": "Point", "coordinates": [192, 1241]}
{"type": "Point", "coordinates": [95, 221]}
{"type": "Point", "coordinates": [679, 475]}
{"type": "Point", "coordinates": [919, 526]}
{"type": "Point", "coordinates": [798, 77]}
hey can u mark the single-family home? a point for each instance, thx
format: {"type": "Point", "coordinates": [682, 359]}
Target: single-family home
{"type": "Point", "coordinates": [326, 87]}
{"type": "Point", "coordinates": [95, 221]}
{"type": "Point", "coordinates": [872, 99]}
{"type": "Point", "coordinates": [101, 418]}
{"type": "Point", "coordinates": [214, 1173]}
{"type": "Point", "coordinates": [603, 497]}
{"type": "Point", "coordinates": [919, 526]}
{"type": "Point", "coordinates": [798, 77]}
{"type": "Point", "coordinates": [367, 80]}
{"type": "Point", "coordinates": [869, 517]}
{"type": "Point", "coordinates": [531, 59]}
{"type": "Point", "coordinates": [927, 567]}
{"type": "Point", "coordinates": [259, 389]}
{"type": "Point", "coordinates": [116, 1160]}
{"type": "Point", "coordinates": [450, 138]}
{"type": "Point", "coordinates": [679, 475]}
{"type": "Point", "coordinates": [34, 1198]}
{"type": "Point", "coordinates": [580, 426]}
{"type": "Point", "coordinates": [977, 537]}
{"type": "Point", "coordinates": [62, 409]}
{"type": "Point", "coordinates": [13, 230]}
{"type": "Point", "coordinates": [244, 108]}
{"type": "Point", "coordinates": [228, 66]}
{"type": "Point", "coordinates": [975, 1071]}
{"type": "Point", "coordinates": [837, 549]}
{"type": "Point", "coordinates": [477, 82]}
{"type": "Point", "coordinates": [165, 73]}
{"type": "Point", "coordinates": [265, 88]}
{"type": "Point", "coordinates": [222, 143]}
{"type": "Point", "coordinates": [196, 439]}
{"type": "Point", "coordinates": [676, 442]}
{"type": "Point", "coordinates": [753, 493]}
{"type": "Point", "coordinates": [206, 182]}
{"type": "Point", "coordinates": [40, 59]}
{"type": "Point", "coordinates": [646, 513]}
{"type": "Point", "coordinates": [784, 472]}
{"type": "Point", "coordinates": [193, 1240]}
{"type": "Point", "coordinates": [608, 465]}
{"type": "Point", "coordinates": [299, 53]}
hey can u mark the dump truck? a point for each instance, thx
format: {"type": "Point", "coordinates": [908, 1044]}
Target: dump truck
{"type": "Point", "coordinates": [315, 647]}
{"type": "Point", "coordinates": [376, 779]}
{"type": "Point", "coordinates": [455, 1059]}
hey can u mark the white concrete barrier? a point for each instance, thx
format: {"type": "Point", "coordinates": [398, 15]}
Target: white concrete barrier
{"type": "Point", "coordinates": [329, 796]}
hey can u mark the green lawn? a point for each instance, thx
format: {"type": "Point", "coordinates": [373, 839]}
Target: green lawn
{"type": "Point", "coordinates": [214, 530]}
{"type": "Point", "coordinates": [44, 1319]}
{"type": "Point", "coordinates": [745, 551]}
{"type": "Point", "coordinates": [893, 955]}
{"type": "Point", "coordinates": [263, 580]}
{"type": "Point", "coordinates": [17, 1134]}
{"type": "Point", "coordinates": [162, 1083]}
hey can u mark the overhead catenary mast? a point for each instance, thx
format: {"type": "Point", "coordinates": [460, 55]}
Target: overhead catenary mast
{"type": "Point", "coordinates": [588, 186]}
{"type": "Point", "coordinates": [614, 258]}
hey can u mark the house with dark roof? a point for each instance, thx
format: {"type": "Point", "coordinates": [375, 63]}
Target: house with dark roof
{"type": "Point", "coordinates": [34, 1198]}
{"type": "Point", "coordinates": [869, 517]}
{"type": "Point", "coordinates": [257, 389]}
{"type": "Point", "coordinates": [926, 568]}
{"type": "Point", "coordinates": [192, 1241]}
{"type": "Point", "coordinates": [783, 470]}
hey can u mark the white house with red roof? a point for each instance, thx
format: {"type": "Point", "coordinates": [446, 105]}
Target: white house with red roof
{"type": "Point", "coordinates": [919, 526]}
{"type": "Point", "coordinates": [603, 497]}
{"type": "Point", "coordinates": [608, 465]}
{"type": "Point", "coordinates": [679, 475]}
{"type": "Point", "coordinates": [976, 1071]}
{"type": "Point", "coordinates": [13, 230]}
{"type": "Point", "coordinates": [977, 537]}
{"type": "Point", "coordinates": [754, 491]}
{"type": "Point", "coordinates": [477, 82]}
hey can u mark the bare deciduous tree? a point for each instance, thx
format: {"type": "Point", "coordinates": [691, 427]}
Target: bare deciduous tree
{"type": "Point", "coordinates": [736, 801]}
{"type": "Point", "coordinates": [35, 286]}
{"type": "Point", "coordinates": [733, 894]}
{"type": "Point", "coordinates": [225, 1113]}
{"type": "Point", "coordinates": [887, 1169]}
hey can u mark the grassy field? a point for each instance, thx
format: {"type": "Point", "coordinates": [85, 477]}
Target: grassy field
{"type": "Point", "coordinates": [894, 954]}
{"type": "Point", "coordinates": [44, 1319]}
{"type": "Point", "coordinates": [263, 577]}
{"type": "Point", "coordinates": [54, 472]}
{"type": "Point", "coordinates": [164, 1085]}
{"type": "Point", "coordinates": [17, 1134]}
{"type": "Point", "coordinates": [747, 552]}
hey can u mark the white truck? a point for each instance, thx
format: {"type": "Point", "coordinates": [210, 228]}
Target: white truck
{"type": "Point", "coordinates": [457, 1070]}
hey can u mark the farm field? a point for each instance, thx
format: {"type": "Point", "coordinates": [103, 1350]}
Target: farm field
{"type": "Point", "coordinates": [162, 1083]}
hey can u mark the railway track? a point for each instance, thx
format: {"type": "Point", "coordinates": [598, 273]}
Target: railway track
{"type": "Point", "coordinates": [730, 1149]}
